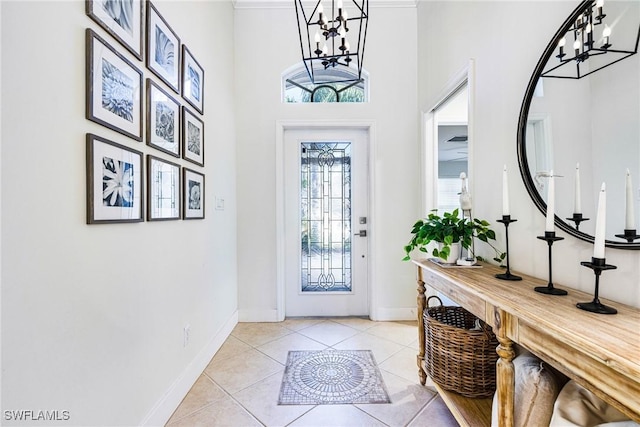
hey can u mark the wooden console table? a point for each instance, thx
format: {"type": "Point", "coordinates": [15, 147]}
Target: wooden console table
{"type": "Point", "coordinates": [600, 352]}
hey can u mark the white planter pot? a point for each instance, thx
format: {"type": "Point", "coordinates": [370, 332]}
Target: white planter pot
{"type": "Point", "coordinates": [454, 254]}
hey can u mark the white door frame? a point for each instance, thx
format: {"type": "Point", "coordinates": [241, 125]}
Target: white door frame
{"type": "Point", "coordinates": [430, 146]}
{"type": "Point", "coordinates": [281, 127]}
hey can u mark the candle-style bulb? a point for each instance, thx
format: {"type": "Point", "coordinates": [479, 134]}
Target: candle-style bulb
{"type": "Point", "coordinates": [598, 242]}
{"type": "Point", "coordinates": [589, 41]}
{"type": "Point", "coordinates": [600, 3]}
{"type": "Point", "coordinates": [561, 44]}
{"type": "Point", "coordinates": [317, 37]}
{"type": "Point", "coordinates": [605, 35]}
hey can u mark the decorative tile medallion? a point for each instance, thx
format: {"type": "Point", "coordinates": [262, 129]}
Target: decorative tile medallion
{"type": "Point", "coordinates": [332, 377]}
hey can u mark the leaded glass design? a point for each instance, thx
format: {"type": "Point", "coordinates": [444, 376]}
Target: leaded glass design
{"type": "Point", "coordinates": [297, 86]}
{"type": "Point", "coordinates": [325, 201]}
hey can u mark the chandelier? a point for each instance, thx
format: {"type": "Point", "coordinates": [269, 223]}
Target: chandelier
{"type": "Point", "coordinates": [332, 35]}
{"type": "Point", "coordinates": [589, 38]}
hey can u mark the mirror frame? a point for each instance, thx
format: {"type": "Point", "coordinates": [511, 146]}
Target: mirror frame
{"type": "Point", "coordinates": [522, 129]}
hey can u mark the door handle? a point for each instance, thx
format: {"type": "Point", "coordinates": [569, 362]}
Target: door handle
{"type": "Point", "coordinates": [361, 233]}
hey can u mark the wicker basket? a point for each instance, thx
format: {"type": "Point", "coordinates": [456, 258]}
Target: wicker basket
{"type": "Point", "coordinates": [458, 358]}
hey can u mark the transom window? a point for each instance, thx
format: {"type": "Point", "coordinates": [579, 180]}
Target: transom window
{"type": "Point", "coordinates": [297, 86]}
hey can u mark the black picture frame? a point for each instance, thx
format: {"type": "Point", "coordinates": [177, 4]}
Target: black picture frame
{"type": "Point", "coordinates": [192, 137]}
{"type": "Point", "coordinates": [123, 20]}
{"type": "Point", "coordinates": [163, 120]}
{"type": "Point", "coordinates": [193, 194]}
{"type": "Point", "coordinates": [163, 189]}
{"type": "Point", "coordinates": [192, 80]}
{"type": "Point", "coordinates": [113, 88]}
{"type": "Point", "coordinates": [114, 182]}
{"type": "Point", "coordinates": [163, 49]}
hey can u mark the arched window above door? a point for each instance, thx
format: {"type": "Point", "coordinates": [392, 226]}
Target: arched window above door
{"type": "Point", "coordinates": [297, 87]}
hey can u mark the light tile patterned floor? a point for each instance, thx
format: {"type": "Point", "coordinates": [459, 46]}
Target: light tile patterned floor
{"type": "Point", "coordinates": [240, 386]}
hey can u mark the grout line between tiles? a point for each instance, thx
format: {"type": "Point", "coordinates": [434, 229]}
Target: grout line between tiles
{"type": "Point", "coordinates": [424, 408]}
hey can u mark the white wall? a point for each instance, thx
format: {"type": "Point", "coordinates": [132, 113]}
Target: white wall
{"type": "Point", "coordinates": [266, 45]}
{"type": "Point", "coordinates": [505, 56]}
{"type": "Point", "coordinates": [92, 315]}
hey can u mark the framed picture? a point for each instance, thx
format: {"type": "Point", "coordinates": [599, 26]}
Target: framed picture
{"type": "Point", "coordinates": [192, 80]}
{"type": "Point", "coordinates": [163, 49]}
{"type": "Point", "coordinates": [122, 19]}
{"type": "Point", "coordinates": [163, 189]}
{"type": "Point", "coordinates": [193, 200]}
{"type": "Point", "coordinates": [114, 182]}
{"type": "Point", "coordinates": [114, 89]}
{"type": "Point", "coordinates": [192, 137]}
{"type": "Point", "coordinates": [163, 120]}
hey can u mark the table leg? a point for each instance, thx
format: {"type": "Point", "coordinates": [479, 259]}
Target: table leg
{"type": "Point", "coordinates": [422, 300]}
{"type": "Point", "coordinates": [505, 372]}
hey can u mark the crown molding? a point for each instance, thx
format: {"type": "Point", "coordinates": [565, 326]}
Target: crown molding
{"type": "Point", "coordinates": [289, 4]}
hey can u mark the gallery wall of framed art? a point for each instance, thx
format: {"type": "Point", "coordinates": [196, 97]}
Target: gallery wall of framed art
{"type": "Point", "coordinates": [143, 83]}
{"type": "Point", "coordinates": [109, 293]}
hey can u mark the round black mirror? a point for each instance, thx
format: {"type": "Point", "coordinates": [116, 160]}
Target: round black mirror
{"type": "Point", "coordinates": [580, 119]}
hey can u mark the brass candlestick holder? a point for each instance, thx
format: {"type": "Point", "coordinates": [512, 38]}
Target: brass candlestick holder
{"type": "Point", "coordinates": [550, 237]}
{"type": "Point", "coordinates": [598, 265]}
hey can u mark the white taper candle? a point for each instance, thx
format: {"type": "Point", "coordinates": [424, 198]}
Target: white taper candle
{"type": "Point", "coordinates": [551, 194]}
{"type": "Point", "coordinates": [629, 219]}
{"type": "Point", "coordinates": [505, 192]}
{"type": "Point", "coordinates": [601, 220]}
{"type": "Point", "coordinates": [577, 201]}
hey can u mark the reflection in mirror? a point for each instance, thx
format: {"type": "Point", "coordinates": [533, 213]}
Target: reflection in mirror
{"type": "Point", "coordinates": [587, 129]}
{"type": "Point", "coordinates": [451, 119]}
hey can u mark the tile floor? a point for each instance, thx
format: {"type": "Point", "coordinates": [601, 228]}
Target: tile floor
{"type": "Point", "coordinates": [241, 384]}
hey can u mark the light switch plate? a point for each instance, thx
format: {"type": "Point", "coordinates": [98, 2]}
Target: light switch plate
{"type": "Point", "coordinates": [219, 203]}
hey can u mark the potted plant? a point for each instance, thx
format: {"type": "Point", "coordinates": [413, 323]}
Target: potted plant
{"type": "Point", "coordinates": [448, 229]}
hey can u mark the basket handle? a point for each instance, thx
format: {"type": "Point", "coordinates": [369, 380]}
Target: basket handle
{"type": "Point", "coordinates": [488, 331]}
{"type": "Point", "coordinates": [434, 296]}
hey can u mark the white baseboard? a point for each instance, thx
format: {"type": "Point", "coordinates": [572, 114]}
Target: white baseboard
{"type": "Point", "coordinates": [383, 314]}
{"type": "Point", "coordinates": [258, 316]}
{"type": "Point", "coordinates": [380, 314]}
{"type": "Point", "coordinates": [164, 408]}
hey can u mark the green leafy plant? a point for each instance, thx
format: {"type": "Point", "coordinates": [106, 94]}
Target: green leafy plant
{"type": "Point", "coordinates": [448, 229]}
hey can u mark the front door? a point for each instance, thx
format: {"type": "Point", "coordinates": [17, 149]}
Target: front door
{"type": "Point", "coordinates": [326, 222]}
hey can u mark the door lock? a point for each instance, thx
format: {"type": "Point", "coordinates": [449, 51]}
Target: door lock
{"type": "Point", "coordinates": [361, 233]}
